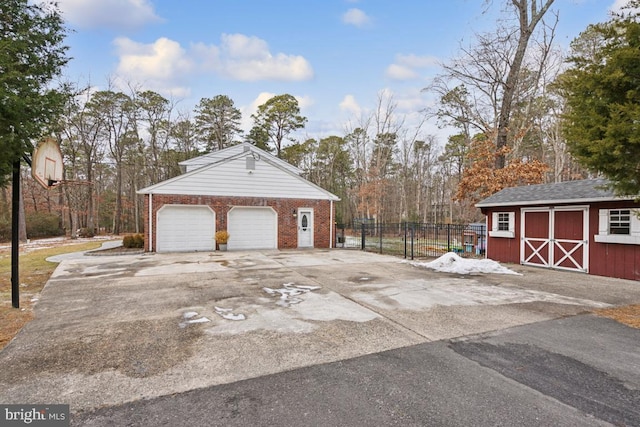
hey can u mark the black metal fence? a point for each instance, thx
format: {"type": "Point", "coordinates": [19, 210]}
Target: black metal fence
{"type": "Point", "coordinates": [414, 240]}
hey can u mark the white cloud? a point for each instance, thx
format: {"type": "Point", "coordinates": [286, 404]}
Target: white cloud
{"type": "Point", "coordinates": [350, 105]}
{"type": "Point", "coordinates": [400, 72]}
{"type": "Point", "coordinates": [305, 102]}
{"type": "Point", "coordinates": [618, 4]}
{"type": "Point", "coordinates": [117, 14]}
{"type": "Point", "coordinates": [160, 65]}
{"type": "Point", "coordinates": [356, 17]}
{"type": "Point", "coordinates": [416, 61]}
{"type": "Point", "coordinates": [245, 58]}
{"type": "Point", "coordinates": [408, 101]}
{"type": "Point", "coordinates": [165, 66]}
{"type": "Point", "coordinates": [261, 99]}
{"type": "Point", "coordinates": [406, 67]}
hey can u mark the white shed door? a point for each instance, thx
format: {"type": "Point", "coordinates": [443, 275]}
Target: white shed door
{"type": "Point", "coordinates": [185, 228]}
{"type": "Point", "coordinates": [252, 228]}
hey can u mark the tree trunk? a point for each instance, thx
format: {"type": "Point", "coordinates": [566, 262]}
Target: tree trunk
{"type": "Point", "coordinates": [90, 211]}
{"type": "Point", "coordinates": [526, 29]}
{"type": "Point", "coordinates": [117, 216]}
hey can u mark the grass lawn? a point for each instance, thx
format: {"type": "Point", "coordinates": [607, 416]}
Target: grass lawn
{"type": "Point", "coordinates": [628, 314]}
{"type": "Point", "coordinates": [34, 272]}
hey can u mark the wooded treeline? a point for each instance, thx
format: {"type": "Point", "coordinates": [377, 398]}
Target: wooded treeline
{"type": "Point", "coordinates": [382, 168]}
{"type": "Point", "coordinates": [505, 95]}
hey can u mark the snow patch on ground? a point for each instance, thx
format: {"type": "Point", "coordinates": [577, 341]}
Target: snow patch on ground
{"type": "Point", "coordinates": [227, 313]}
{"type": "Point", "coordinates": [296, 318]}
{"type": "Point", "coordinates": [191, 317]}
{"type": "Point", "coordinates": [289, 293]}
{"type": "Point", "coordinates": [453, 263]}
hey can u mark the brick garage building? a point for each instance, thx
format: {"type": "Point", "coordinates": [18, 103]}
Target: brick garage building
{"type": "Point", "coordinates": [575, 225]}
{"type": "Point", "coordinates": [262, 201]}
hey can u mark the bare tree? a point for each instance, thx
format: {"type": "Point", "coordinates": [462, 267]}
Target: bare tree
{"type": "Point", "coordinates": [480, 88]}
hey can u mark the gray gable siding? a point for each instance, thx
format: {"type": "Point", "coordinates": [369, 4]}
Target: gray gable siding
{"type": "Point", "coordinates": [588, 190]}
{"type": "Point", "coordinates": [218, 155]}
{"type": "Point", "coordinates": [231, 178]}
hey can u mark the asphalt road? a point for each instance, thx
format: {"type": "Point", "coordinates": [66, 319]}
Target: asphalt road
{"type": "Point", "coordinates": [577, 371]}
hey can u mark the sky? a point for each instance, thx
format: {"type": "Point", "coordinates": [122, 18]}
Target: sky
{"type": "Point", "coordinates": [335, 56]}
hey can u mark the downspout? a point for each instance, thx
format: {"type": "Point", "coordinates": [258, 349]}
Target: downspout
{"type": "Point", "coordinates": [331, 226]}
{"type": "Point", "coordinates": [151, 222]}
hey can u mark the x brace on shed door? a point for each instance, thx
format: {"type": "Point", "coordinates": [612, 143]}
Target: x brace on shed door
{"type": "Point", "coordinates": [555, 237]}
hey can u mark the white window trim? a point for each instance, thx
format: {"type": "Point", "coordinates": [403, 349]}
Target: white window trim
{"type": "Point", "coordinates": [494, 232]}
{"type": "Point", "coordinates": [603, 236]}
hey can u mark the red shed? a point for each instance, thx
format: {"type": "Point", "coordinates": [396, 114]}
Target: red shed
{"type": "Point", "coordinates": [574, 225]}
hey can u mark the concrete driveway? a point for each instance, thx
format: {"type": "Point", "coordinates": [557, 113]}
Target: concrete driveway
{"type": "Point", "coordinates": [115, 329]}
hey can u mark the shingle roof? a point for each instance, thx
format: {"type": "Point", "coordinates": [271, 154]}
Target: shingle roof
{"type": "Point", "coordinates": [588, 190]}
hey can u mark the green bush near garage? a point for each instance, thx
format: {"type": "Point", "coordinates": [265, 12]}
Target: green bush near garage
{"type": "Point", "coordinates": [133, 241]}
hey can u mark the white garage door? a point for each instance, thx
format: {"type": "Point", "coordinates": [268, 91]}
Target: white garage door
{"type": "Point", "coordinates": [184, 228]}
{"type": "Point", "coordinates": [252, 228]}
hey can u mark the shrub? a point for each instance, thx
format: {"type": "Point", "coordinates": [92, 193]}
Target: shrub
{"type": "Point", "coordinates": [138, 241]}
{"type": "Point", "coordinates": [133, 241]}
{"type": "Point", "coordinates": [127, 241]}
{"type": "Point", "coordinates": [86, 232]}
{"type": "Point", "coordinates": [43, 224]}
{"type": "Point", "coordinates": [222, 237]}
{"type": "Point", "coordinates": [5, 229]}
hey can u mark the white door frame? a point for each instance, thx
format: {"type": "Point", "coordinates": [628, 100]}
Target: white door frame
{"type": "Point", "coordinates": [544, 242]}
{"type": "Point", "coordinates": [310, 227]}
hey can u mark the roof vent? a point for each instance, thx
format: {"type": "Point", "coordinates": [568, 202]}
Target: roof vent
{"type": "Point", "coordinates": [251, 162]}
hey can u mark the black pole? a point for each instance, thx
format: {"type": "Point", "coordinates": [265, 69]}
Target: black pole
{"type": "Point", "coordinates": [15, 237]}
{"type": "Point", "coordinates": [413, 234]}
{"type": "Point", "coordinates": [406, 225]}
{"type": "Point", "coordinates": [362, 243]}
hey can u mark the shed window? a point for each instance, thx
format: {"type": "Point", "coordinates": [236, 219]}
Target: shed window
{"type": "Point", "coordinates": [503, 221]}
{"type": "Point", "coordinates": [620, 221]}
{"type": "Point", "coordinates": [503, 224]}
{"type": "Point", "coordinates": [618, 226]}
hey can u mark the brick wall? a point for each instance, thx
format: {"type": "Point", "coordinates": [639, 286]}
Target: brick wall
{"type": "Point", "coordinates": [287, 223]}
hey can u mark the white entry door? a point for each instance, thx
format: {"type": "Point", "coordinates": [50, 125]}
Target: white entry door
{"type": "Point", "coordinates": [305, 228]}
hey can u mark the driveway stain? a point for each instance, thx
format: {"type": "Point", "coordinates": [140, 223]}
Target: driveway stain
{"type": "Point", "coordinates": [137, 349]}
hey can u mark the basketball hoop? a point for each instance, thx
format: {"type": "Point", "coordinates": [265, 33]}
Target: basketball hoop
{"type": "Point", "coordinates": [46, 165]}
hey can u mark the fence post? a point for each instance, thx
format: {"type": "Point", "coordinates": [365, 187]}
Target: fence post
{"type": "Point", "coordinates": [413, 233]}
{"type": "Point", "coordinates": [448, 237]}
{"type": "Point", "coordinates": [405, 239]}
{"type": "Point", "coordinates": [380, 233]}
{"type": "Point", "coordinates": [362, 245]}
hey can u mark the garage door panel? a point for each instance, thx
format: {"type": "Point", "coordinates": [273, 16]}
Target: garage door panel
{"type": "Point", "coordinates": [252, 228]}
{"type": "Point", "coordinates": [182, 228]}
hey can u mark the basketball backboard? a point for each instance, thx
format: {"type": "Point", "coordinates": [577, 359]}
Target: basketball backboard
{"type": "Point", "coordinates": [46, 164]}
